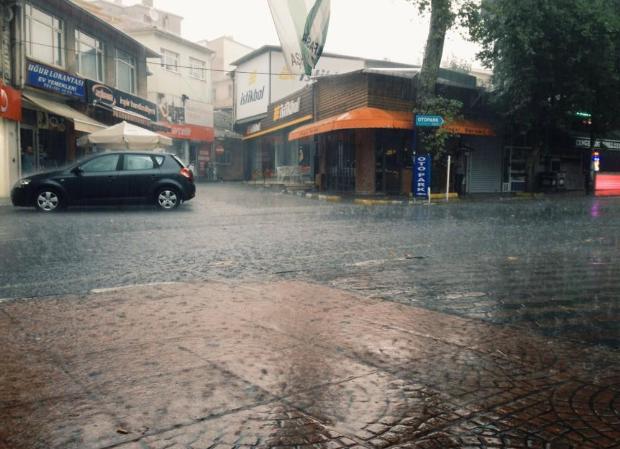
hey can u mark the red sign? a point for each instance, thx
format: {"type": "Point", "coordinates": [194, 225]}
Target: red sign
{"type": "Point", "coordinates": [608, 184]}
{"type": "Point", "coordinates": [190, 132]}
{"type": "Point", "coordinates": [10, 103]}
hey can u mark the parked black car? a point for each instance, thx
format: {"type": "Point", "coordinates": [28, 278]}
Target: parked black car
{"type": "Point", "coordinates": [109, 178]}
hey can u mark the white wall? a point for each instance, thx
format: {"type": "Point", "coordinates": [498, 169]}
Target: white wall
{"type": "Point", "coordinates": [9, 156]}
{"type": "Point", "coordinates": [282, 82]}
{"type": "Point", "coordinates": [172, 84]}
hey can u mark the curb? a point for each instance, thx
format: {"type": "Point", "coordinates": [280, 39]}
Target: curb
{"type": "Point", "coordinates": [367, 202]}
{"type": "Point", "coordinates": [330, 198]}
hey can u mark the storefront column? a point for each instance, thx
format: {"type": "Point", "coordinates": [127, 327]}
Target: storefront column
{"type": "Point", "coordinates": [365, 161]}
{"type": "Point", "coordinates": [9, 156]}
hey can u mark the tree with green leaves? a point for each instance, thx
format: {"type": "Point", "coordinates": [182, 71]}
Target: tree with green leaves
{"type": "Point", "coordinates": [552, 58]}
{"type": "Point", "coordinates": [444, 14]}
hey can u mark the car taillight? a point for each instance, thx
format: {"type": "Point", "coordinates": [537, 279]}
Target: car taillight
{"type": "Point", "coordinates": [187, 173]}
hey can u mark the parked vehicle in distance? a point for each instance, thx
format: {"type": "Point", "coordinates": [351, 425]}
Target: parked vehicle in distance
{"type": "Point", "coordinates": [109, 178]}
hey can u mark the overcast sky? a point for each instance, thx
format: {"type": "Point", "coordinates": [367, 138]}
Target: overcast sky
{"type": "Point", "coordinates": [375, 29]}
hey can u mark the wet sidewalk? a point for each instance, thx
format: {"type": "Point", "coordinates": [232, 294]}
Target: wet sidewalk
{"type": "Point", "coordinates": [289, 364]}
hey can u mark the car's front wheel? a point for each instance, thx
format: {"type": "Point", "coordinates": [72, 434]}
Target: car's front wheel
{"type": "Point", "coordinates": [48, 200]}
{"type": "Point", "coordinates": [167, 198]}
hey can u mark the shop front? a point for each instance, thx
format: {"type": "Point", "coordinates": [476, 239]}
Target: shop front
{"type": "Point", "coordinates": [52, 120]}
{"type": "Point", "coordinates": [271, 156]}
{"type": "Point", "coordinates": [370, 150]}
{"type": "Point", "coordinates": [193, 144]}
{"type": "Point", "coordinates": [10, 115]}
{"type": "Point", "coordinates": [603, 163]}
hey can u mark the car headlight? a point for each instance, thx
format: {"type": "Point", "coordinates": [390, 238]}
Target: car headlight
{"type": "Point", "coordinates": [24, 182]}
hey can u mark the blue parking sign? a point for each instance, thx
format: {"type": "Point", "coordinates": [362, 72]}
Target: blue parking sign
{"type": "Point", "coordinates": [422, 165]}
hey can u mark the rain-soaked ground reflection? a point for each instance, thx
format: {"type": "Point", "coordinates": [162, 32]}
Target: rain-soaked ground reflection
{"type": "Point", "coordinates": [548, 264]}
{"type": "Point", "coordinates": [289, 365]}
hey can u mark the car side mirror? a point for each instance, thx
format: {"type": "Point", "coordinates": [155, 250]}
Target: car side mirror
{"type": "Point", "coordinates": [77, 171]}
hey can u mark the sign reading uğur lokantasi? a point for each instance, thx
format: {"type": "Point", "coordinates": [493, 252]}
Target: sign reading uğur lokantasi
{"type": "Point", "coordinates": [100, 94]}
{"type": "Point", "coordinates": [54, 80]}
{"type": "Point", "coordinates": [422, 164]}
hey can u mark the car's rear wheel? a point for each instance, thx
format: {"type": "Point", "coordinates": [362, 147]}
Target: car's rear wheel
{"type": "Point", "coordinates": [48, 200]}
{"type": "Point", "coordinates": [167, 198]}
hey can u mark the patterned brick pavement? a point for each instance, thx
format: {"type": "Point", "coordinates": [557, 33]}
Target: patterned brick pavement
{"type": "Point", "coordinates": [289, 365]}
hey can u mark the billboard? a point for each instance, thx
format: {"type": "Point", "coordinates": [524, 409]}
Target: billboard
{"type": "Point", "coordinates": [252, 87]}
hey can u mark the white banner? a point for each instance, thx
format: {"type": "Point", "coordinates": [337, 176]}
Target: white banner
{"type": "Point", "coordinates": [302, 28]}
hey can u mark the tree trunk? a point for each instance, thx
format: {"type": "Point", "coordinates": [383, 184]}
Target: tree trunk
{"type": "Point", "coordinates": [441, 20]}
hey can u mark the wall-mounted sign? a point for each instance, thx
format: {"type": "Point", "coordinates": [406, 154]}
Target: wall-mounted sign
{"type": "Point", "coordinates": [49, 78]}
{"type": "Point", "coordinates": [100, 94]}
{"type": "Point", "coordinates": [286, 109]}
{"type": "Point", "coordinates": [422, 174]}
{"type": "Point", "coordinates": [190, 132]}
{"type": "Point", "coordinates": [171, 109]}
{"type": "Point", "coordinates": [252, 95]}
{"type": "Point", "coordinates": [10, 103]}
{"type": "Point", "coordinates": [428, 121]}
{"type": "Point", "coordinates": [599, 144]}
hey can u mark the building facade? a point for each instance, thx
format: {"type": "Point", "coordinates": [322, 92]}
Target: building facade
{"type": "Point", "coordinates": [353, 132]}
{"type": "Point", "coordinates": [75, 74]}
{"type": "Point", "coordinates": [180, 85]}
{"type": "Point", "coordinates": [180, 82]}
{"type": "Point", "coordinates": [226, 50]}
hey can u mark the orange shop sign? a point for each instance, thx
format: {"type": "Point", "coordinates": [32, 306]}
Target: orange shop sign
{"type": "Point", "coordinates": [190, 132]}
{"type": "Point", "coordinates": [10, 103]}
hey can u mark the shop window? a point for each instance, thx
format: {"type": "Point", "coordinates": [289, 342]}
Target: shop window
{"type": "Point", "coordinates": [89, 56]}
{"type": "Point", "coordinates": [170, 60]}
{"type": "Point", "coordinates": [45, 39]}
{"type": "Point", "coordinates": [197, 69]}
{"type": "Point", "coordinates": [125, 72]}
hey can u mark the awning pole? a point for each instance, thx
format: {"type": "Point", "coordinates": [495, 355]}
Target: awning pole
{"type": "Point", "coordinates": [448, 179]}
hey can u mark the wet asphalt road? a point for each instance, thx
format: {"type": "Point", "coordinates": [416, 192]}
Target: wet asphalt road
{"type": "Point", "coordinates": [549, 265]}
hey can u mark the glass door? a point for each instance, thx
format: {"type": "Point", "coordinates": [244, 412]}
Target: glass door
{"type": "Point", "coordinates": [29, 151]}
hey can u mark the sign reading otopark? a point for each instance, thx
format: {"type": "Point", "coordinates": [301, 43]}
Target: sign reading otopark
{"type": "Point", "coordinates": [302, 28]}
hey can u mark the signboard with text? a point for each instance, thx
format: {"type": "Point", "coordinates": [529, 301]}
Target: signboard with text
{"type": "Point", "coordinates": [599, 144]}
{"type": "Point", "coordinates": [10, 103]}
{"type": "Point", "coordinates": [108, 96]}
{"type": "Point", "coordinates": [428, 121]}
{"type": "Point", "coordinates": [422, 164]}
{"type": "Point", "coordinates": [49, 78]}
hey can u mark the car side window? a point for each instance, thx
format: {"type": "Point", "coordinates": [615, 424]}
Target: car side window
{"type": "Point", "coordinates": [159, 160]}
{"type": "Point", "coordinates": [101, 164]}
{"type": "Point", "coordinates": [138, 162]}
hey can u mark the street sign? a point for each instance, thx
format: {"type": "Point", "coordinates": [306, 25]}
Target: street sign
{"type": "Point", "coordinates": [422, 164]}
{"type": "Point", "coordinates": [429, 121]}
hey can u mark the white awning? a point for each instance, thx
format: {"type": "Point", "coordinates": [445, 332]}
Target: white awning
{"type": "Point", "coordinates": [81, 122]}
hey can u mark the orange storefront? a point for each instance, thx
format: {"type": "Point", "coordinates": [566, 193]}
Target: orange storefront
{"type": "Point", "coordinates": [364, 135]}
